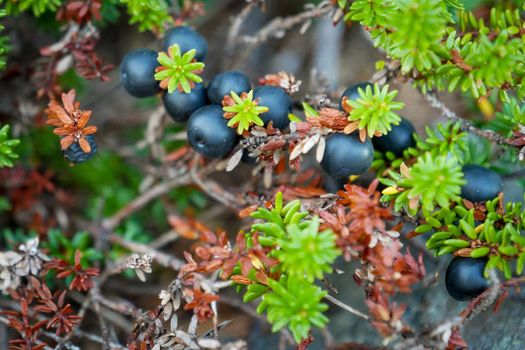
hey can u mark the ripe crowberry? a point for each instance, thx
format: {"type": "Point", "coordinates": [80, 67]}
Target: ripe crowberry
{"type": "Point", "coordinates": [187, 39]}
{"type": "Point", "coordinates": [223, 84]}
{"type": "Point", "coordinates": [246, 158]}
{"type": "Point", "coordinates": [346, 155]}
{"type": "Point", "coordinates": [181, 105]}
{"type": "Point", "coordinates": [397, 140]}
{"type": "Point", "coordinates": [352, 92]}
{"type": "Point", "coordinates": [137, 72]}
{"type": "Point", "coordinates": [76, 155]}
{"type": "Point", "coordinates": [278, 102]}
{"type": "Point", "coordinates": [208, 132]}
{"type": "Point", "coordinates": [464, 278]}
{"type": "Point", "coordinates": [482, 184]}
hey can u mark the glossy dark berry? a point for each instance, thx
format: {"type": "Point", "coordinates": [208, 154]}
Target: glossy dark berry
{"type": "Point", "coordinates": [464, 278]}
{"type": "Point", "coordinates": [208, 132]}
{"type": "Point", "coordinates": [482, 184]}
{"type": "Point", "coordinates": [223, 84]}
{"type": "Point", "coordinates": [137, 72]}
{"type": "Point", "coordinates": [75, 154]}
{"type": "Point", "coordinates": [333, 185]}
{"type": "Point", "coordinates": [352, 92]}
{"type": "Point", "coordinates": [397, 140]}
{"type": "Point", "coordinates": [246, 158]}
{"type": "Point", "coordinates": [279, 103]}
{"type": "Point", "coordinates": [181, 105]}
{"type": "Point", "coordinates": [187, 39]}
{"type": "Point", "coordinates": [346, 155]}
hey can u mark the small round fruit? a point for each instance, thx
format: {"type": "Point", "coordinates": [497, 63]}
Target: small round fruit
{"type": "Point", "coordinates": [208, 132]}
{"type": "Point", "coordinates": [246, 158]}
{"type": "Point", "coordinates": [137, 72]}
{"type": "Point", "coordinates": [346, 155]}
{"type": "Point", "coordinates": [181, 105]}
{"type": "Point", "coordinates": [223, 84]}
{"type": "Point", "coordinates": [333, 185]}
{"type": "Point", "coordinates": [352, 92]}
{"type": "Point", "coordinates": [482, 184]}
{"type": "Point", "coordinates": [278, 102]}
{"type": "Point", "coordinates": [187, 39]}
{"type": "Point", "coordinates": [464, 278]}
{"type": "Point", "coordinates": [75, 154]}
{"type": "Point", "coordinates": [397, 140]}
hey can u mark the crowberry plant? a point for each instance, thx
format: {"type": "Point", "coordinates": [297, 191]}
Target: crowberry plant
{"type": "Point", "coordinates": [353, 184]}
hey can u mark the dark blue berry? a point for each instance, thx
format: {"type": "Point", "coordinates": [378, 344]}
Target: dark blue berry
{"type": "Point", "coordinates": [75, 154]}
{"type": "Point", "coordinates": [246, 158]}
{"type": "Point", "coordinates": [352, 92]}
{"type": "Point", "coordinates": [482, 184]}
{"type": "Point", "coordinates": [333, 185]}
{"type": "Point", "coordinates": [464, 278]}
{"type": "Point", "coordinates": [187, 39]}
{"type": "Point", "coordinates": [346, 155]}
{"type": "Point", "coordinates": [223, 84]}
{"type": "Point", "coordinates": [137, 72]}
{"type": "Point", "coordinates": [397, 140]}
{"type": "Point", "coordinates": [279, 103]}
{"type": "Point", "coordinates": [208, 132]}
{"type": "Point", "coordinates": [181, 105]}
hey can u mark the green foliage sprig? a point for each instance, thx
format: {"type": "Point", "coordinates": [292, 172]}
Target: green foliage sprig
{"type": "Point", "coordinates": [443, 140]}
{"type": "Point", "coordinates": [178, 70]}
{"type": "Point", "coordinates": [6, 148]}
{"type": "Point", "coordinates": [374, 110]}
{"type": "Point", "coordinates": [432, 181]}
{"type": "Point", "coordinates": [243, 112]}
{"type": "Point", "coordinates": [3, 42]}
{"type": "Point", "coordinates": [296, 303]}
{"type": "Point", "coordinates": [459, 52]}
{"type": "Point", "coordinates": [291, 297]}
{"type": "Point", "coordinates": [148, 14]}
{"type": "Point", "coordinates": [495, 233]}
{"type": "Point", "coordinates": [38, 7]}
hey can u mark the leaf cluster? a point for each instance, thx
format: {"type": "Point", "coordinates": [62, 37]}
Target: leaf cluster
{"type": "Point", "coordinates": [447, 47]}
{"type": "Point", "coordinates": [7, 146]}
{"type": "Point", "coordinates": [432, 181]}
{"type": "Point", "coordinates": [37, 7]}
{"type": "Point", "coordinates": [3, 42]}
{"type": "Point", "coordinates": [243, 111]}
{"type": "Point", "coordinates": [178, 70]}
{"type": "Point", "coordinates": [374, 110]}
{"type": "Point", "coordinates": [148, 14]}
{"type": "Point", "coordinates": [291, 297]}
{"type": "Point", "coordinates": [493, 232]}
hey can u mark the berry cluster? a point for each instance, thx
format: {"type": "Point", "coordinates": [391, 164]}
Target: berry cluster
{"type": "Point", "coordinates": [220, 112]}
{"type": "Point", "coordinates": [228, 95]}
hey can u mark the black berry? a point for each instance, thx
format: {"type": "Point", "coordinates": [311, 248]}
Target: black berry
{"type": "Point", "coordinates": [246, 158]}
{"type": "Point", "coordinates": [397, 140]}
{"type": "Point", "coordinates": [208, 132]}
{"type": "Point", "coordinates": [464, 278]}
{"type": "Point", "coordinates": [181, 105]}
{"type": "Point", "coordinates": [346, 155]}
{"type": "Point", "coordinates": [279, 103]}
{"type": "Point", "coordinates": [137, 72]}
{"type": "Point", "coordinates": [352, 92]}
{"type": "Point", "coordinates": [76, 155]}
{"type": "Point", "coordinates": [223, 84]}
{"type": "Point", "coordinates": [187, 39]}
{"type": "Point", "coordinates": [482, 184]}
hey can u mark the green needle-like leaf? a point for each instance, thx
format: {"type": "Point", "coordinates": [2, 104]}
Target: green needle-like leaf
{"type": "Point", "coordinates": [176, 71]}
{"type": "Point", "coordinates": [374, 110]}
{"type": "Point", "coordinates": [242, 111]}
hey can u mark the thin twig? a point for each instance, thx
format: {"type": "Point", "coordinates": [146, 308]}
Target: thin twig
{"type": "Point", "coordinates": [345, 307]}
{"type": "Point", "coordinates": [436, 103]}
